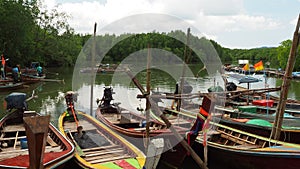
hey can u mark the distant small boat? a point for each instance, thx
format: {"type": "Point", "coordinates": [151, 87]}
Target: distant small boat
{"type": "Point", "coordinates": [33, 76]}
{"type": "Point", "coordinates": [14, 152]}
{"type": "Point", "coordinates": [11, 86]}
{"type": "Point", "coordinates": [296, 74]}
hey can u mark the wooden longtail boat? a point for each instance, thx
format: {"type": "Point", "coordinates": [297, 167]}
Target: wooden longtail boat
{"type": "Point", "coordinates": [290, 129]}
{"type": "Point", "coordinates": [253, 113]}
{"type": "Point", "coordinates": [24, 79]}
{"type": "Point", "coordinates": [132, 126]}
{"type": "Point", "coordinates": [14, 152]}
{"type": "Point", "coordinates": [114, 152]}
{"type": "Point", "coordinates": [235, 149]}
{"type": "Point", "coordinates": [232, 148]}
{"type": "Point", "coordinates": [288, 134]}
{"type": "Point", "coordinates": [101, 147]}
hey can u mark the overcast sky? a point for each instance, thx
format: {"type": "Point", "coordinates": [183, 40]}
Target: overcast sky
{"type": "Point", "coordinates": [231, 23]}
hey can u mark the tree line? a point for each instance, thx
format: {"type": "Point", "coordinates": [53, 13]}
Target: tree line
{"type": "Point", "coordinates": [28, 33]}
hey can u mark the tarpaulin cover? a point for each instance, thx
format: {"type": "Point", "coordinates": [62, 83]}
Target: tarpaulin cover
{"type": "Point", "coordinates": [15, 100]}
{"type": "Point", "coordinates": [259, 122]}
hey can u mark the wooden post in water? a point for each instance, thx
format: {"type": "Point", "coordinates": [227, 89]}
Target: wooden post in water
{"type": "Point", "coordinates": [36, 132]}
{"type": "Point", "coordinates": [286, 84]}
{"type": "Point", "coordinates": [92, 72]}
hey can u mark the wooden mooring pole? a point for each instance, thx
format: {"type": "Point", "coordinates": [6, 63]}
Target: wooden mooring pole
{"type": "Point", "coordinates": [276, 130]}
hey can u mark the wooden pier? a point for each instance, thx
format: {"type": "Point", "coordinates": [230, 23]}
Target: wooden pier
{"type": "Point", "coordinates": [270, 72]}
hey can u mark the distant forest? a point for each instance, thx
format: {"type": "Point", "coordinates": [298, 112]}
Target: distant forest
{"type": "Point", "coordinates": [30, 33]}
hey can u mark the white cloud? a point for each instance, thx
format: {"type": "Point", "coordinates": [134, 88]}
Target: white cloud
{"type": "Point", "coordinates": [211, 17]}
{"type": "Point", "coordinates": [85, 14]}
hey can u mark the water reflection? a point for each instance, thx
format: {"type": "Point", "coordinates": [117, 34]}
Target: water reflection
{"type": "Point", "coordinates": [51, 94]}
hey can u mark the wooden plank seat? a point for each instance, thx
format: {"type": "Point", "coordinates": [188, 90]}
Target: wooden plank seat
{"type": "Point", "coordinates": [109, 159]}
{"type": "Point", "coordinates": [51, 142]}
{"type": "Point", "coordinates": [104, 157]}
{"type": "Point", "coordinates": [11, 138]}
{"type": "Point", "coordinates": [100, 153]}
{"type": "Point", "coordinates": [235, 139]}
{"type": "Point", "coordinates": [144, 129]}
{"type": "Point", "coordinates": [246, 146]}
{"type": "Point", "coordinates": [100, 148]}
{"type": "Point", "coordinates": [13, 128]}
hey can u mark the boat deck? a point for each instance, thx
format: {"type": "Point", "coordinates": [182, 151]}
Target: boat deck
{"type": "Point", "coordinates": [14, 148]}
{"type": "Point", "coordinates": [104, 150]}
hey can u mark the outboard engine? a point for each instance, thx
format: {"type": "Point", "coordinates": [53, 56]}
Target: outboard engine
{"type": "Point", "coordinates": [16, 101]}
{"type": "Point", "coordinates": [107, 96]}
{"type": "Point", "coordinates": [230, 86]}
{"type": "Point", "coordinates": [70, 97]}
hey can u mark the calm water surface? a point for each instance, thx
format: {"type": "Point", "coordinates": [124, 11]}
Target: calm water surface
{"type": "Point", "coordinates": [51, 94]}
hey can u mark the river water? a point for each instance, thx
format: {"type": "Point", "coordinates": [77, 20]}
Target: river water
{"type": "Point", "coordinates": [51, 94]}
{"type": "Point", "coordinates": [51, 101]}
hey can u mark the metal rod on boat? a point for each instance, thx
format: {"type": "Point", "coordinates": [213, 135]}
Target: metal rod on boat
{"type": "Point", "coordinates": [276, 130]}
{"type": "Point", "coordinates": [167, 122]}
{"type": "Point", "coordinates": [92, 66]}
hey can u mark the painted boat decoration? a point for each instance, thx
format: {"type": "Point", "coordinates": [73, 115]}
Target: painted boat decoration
{"type": "Point", "coordinates": [99, 147]}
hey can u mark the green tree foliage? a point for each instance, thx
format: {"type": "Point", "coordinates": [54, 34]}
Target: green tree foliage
{"type": "Point", "coordinates": [283, 53]}
{"type": "Point", "coordinates": [15, 29]}
{"type": "Point", "coordinates": [29, 33]}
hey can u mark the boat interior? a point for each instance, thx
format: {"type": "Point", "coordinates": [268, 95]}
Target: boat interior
{"type": "Point", "coordinates": [99, 146]}
{"type": "Point", "coordinates": [13, 140]}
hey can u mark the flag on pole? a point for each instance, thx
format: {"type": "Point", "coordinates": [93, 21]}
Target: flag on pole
{"type": "Point", "coordinates": [259, 66]}
{"type": "Point", "coordinates": [246, 67]}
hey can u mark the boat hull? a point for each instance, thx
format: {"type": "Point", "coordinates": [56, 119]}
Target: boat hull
{"type": "Point", "coordinates": [56, 155]}
{"type": "Point", "coordinates": [222, 158]}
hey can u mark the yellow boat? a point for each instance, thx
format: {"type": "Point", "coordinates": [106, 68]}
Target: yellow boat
{"type": "Point", "coordinates": [100, 147]}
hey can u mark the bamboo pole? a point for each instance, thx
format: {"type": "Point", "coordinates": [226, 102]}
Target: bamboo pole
{"type": "Point", "coordinates": [92, 72]}
{"type": "Point", "coordinates": [186, 56]}
{"type": "Point", "coordinates": [148, 105]}
{"type": "Point", "coordinates": [197, 95]}
{"type": "Point", "coordinates": [276, 130]}
{"type": "Point", "coordinates": [167, 122]}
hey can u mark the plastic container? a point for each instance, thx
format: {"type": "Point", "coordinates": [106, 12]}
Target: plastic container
{"type": "Point", "coordinates": [268, 103]}
{"type": "Point", "coordinates": [24, 143]}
